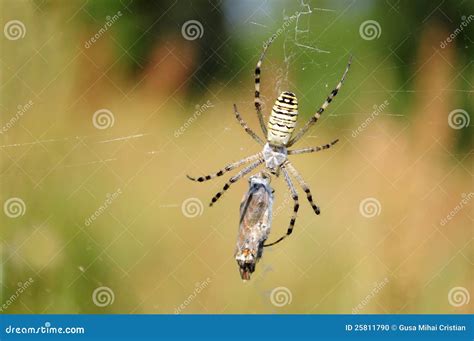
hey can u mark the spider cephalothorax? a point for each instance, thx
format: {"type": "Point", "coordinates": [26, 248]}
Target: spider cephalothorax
{"type": "Point", "coordinates": [279, 137]}
{"type": "Point", "coordinates": [274, 157]}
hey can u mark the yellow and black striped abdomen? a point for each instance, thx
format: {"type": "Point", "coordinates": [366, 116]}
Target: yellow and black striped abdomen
{"type": "Point", "coordinates": [282, 120]}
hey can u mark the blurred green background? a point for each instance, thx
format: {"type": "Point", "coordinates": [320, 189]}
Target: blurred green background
{"type": "Point", "coordinates": [106, 105]}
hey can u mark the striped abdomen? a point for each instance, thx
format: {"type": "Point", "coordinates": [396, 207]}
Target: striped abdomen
{"type": "Point", "coordinates": [282, 120]}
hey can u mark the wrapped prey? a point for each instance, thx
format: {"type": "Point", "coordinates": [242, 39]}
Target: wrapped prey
{"type": "Point", "coordinates": [255, 223]}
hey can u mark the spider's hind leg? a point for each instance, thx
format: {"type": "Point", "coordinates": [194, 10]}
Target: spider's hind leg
{"type": "Point", "coordinates": [296, 206]}
{"type": "Point", "coordinates": [304, 186]}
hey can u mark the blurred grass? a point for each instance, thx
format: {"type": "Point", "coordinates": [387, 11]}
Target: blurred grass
{"type": "Point", "coordinates": [144, 248]}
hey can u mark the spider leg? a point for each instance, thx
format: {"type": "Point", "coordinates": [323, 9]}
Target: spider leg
{"type": "Point", "coordinates": [312, 149]}
{"type": "Point", "coordinates": [318, 113]}
{"type": "Point", "coordinates": [303, 185]}
{"type": "Point", "coordinates": [227, 168]}
{"type": "Point", "coordinates": [296, 206]}
{"type": "Point", "coordinates": [246, 127]}
{"type": "Point", "coordinates": [235, 178]}
{"type": "Point", "coordinates": [257, 101]}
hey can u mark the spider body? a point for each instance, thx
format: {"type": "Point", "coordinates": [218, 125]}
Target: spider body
{"type": "Point", "coordinates": [281, 125]}
{"type": "Point", "coordinates": [282, 121]}
{"type": "Point", "coordinates": [279, 137]}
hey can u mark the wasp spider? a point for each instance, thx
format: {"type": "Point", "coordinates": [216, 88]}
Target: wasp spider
{"type": "Point", "coordinates": [280, 137]}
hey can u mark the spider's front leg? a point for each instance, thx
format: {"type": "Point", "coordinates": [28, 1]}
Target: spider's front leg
{"type": "Point", "coordinates": [246, 127]}
{"type": "Point", "coordinates": [318, 113]}
{"type": "Point", "coordinates": [257, 100]}
{"type": "Point", "coordinates": [236, 178]}
{"type": "Point", "coordinates": [226, 169]}
{"type": "Point", "coordinates": [313, 149]}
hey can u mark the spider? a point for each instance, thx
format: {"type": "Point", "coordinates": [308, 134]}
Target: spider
{"type": "Point", "coordinates": [281, 125]}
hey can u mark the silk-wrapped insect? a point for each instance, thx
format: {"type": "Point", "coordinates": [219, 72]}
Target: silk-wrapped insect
{"type": "Point", "coordinates": [255, 223]}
